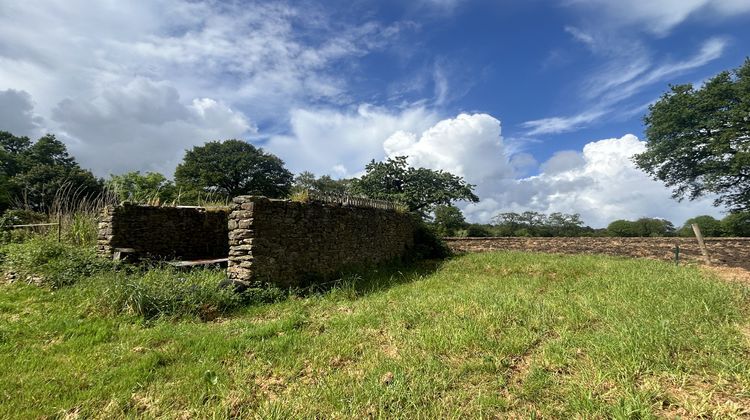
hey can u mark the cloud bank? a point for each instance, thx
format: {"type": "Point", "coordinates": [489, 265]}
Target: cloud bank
{"type": "Point", "coordinates": [600, 181]}
{"type": "Point", "coordinates": [131, 85]}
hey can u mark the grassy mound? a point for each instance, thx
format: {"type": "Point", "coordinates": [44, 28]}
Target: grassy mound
{"type": "Point", "coordinates": [507, 334]}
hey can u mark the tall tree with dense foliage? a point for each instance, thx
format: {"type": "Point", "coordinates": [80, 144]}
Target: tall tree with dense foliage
{"type": "Point", "coordinates": [699, 139]}
{"type": "Point", "coordinates": [231, 168]}
{"type": "Point", "coordinates": [448, 220]}
{"type": "Point", "coordinates": [531, 223]}
{"type": "Point", "coordinates": [33, 173]}
{"type": "Point", "coordinates": [622, 227]}
{"type": "Point", "coordinates": [420, 189]}
{"type": "Point", "coordinates": [708, 224]}
{"type": "Point", "coordinates": [643, 227]}
{"type": "Point", "coordinates": [736, 224]}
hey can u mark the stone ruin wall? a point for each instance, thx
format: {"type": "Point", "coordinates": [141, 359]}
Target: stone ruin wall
{"type": "Point", "coordinates": [294, 244]}
{"type": "Point", "coordinates": [187, 233]}
{"type": "Point", "coordinates": [733, 252]}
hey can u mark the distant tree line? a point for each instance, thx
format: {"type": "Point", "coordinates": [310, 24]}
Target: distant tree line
{"type": "Point", "coordinates": [734, 224]}
{"type": "Point", "coordinates": [449, 221]}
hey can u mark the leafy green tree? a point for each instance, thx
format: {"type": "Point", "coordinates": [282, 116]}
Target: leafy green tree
{"type": "Point", "coordinates": [306, 181]}
{"type": "Point", "coordinates": [5, 196]}
{"type": "Point", "coordinates": [448, 219]}
{"type": "Point", "coordinates": [561, 224]}
{"type": "Point", "coordinates": [151, 187]}
{"type": "Point", "coordinates": [699, 139]}
{"type": "Point", "coordinates": [35, 173]}
{"type": "Point", "coordinates": [647, 226]}
{"type": "Point", "coordinates": [622, 227]}
{"type": "Point", "coordinates": [736, 224]}
{"type": "Point", "coordinates": [708, 224]}
{"type": "Point", "coordinates": [643, 227]}
{"type": "Point", "coordinates": [420, 189]}
{"type": "Point", "coordinates": [507, 223]}
{"type": "Point", "coordinates": [531, 223]}
{"type": "Point", "coordinates": [231, 168]}
{"type": "Point", "coordinates": [12, 161]}
{"type": "Point", "coordinates": [13, 153]}
{"type": "Point", "coordinates": [327, 184]}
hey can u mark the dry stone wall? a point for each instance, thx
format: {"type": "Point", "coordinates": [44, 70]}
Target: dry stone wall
{"type": "Point", "coordinates": [294, 244]}
{"type": "Point", "coordinates": [188, 233]}
{"type": "Point", "coordinates": [734, 252]}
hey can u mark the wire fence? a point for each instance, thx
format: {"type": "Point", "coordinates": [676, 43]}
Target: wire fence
{"type": "Point", "coordinates": [353, 201]}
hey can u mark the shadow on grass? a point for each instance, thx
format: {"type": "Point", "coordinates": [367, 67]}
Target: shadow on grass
{"type": "Point", "coordinates": [375, 279]}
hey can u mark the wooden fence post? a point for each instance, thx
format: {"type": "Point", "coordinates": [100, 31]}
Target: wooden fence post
{"type": "Point", "coordinates": [59, 226]}
{"type": "Point", "coordinates": [701, 244]}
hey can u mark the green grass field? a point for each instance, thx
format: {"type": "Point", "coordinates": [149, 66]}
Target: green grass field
{"type": "Point", "coordinates": [496, 334]}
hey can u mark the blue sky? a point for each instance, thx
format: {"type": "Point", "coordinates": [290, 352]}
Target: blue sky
{"type": "Point", "coordinates": [539, 103]}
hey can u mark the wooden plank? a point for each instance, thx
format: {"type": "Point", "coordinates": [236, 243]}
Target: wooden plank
{"type": "Point", "coordinates": [701, 244]}
{"type": "Point", "coordinates": [195, 263]}
{"type": "Point", "coordinates": [34, 224]}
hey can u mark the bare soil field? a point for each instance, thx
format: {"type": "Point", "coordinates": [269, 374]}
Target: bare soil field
{"type": "Point", "coordinates": [724, 252]}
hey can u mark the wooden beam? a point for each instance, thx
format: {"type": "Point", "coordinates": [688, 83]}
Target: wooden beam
{"type": "Point", "coordinates": [198, 262]}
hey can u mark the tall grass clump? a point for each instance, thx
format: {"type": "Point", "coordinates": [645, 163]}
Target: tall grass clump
{"type": "Point", "coordinates": [42, 259]}
{"type": "Point", "coordinates": [165, 292]}
{"type": "Point", "coordinates": [78, 214]}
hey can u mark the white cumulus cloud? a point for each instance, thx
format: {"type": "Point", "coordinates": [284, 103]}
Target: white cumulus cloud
{"type": "Point", "coordinates": [468, 145]}
{"type": "Point", "coordinates": [600, 181]}
{"type": "Point", "coordinates": [340, 143]}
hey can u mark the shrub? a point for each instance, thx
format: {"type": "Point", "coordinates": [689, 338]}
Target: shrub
{"type": "Point", "coordinates": [56, 264]}
{"type": "Point", "coordinates": [478, 231]}
{"type": "Point", "coordinates": [427, 244]}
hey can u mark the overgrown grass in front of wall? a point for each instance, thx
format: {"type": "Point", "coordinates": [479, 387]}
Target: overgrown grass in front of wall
{"type": "Point", "coordinates": [165, 292]}
{"type": "Point", "coordinates": [148, 291]}
{"type": "Point", "coordinates": [42, 259]}
{"type": "Point", "coordinates": [497, 334]}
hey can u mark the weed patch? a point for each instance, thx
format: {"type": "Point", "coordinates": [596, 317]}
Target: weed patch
{"type": "Point", "coordinates": [41, 259]}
